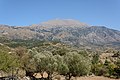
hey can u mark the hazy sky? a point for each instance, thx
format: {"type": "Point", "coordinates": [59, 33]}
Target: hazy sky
{"type": "Point", "coordinates": [93, 12]}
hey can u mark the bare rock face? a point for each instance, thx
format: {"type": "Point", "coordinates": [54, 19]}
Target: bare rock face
{"type": "Point", "coordinates": [67, 31]}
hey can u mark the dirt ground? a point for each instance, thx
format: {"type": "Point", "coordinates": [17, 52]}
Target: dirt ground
{"type": "Point", "coordinates": [93, 78]}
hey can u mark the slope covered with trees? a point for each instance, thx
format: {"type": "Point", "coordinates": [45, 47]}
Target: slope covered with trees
{"type": "Point", "coordinates": [26, 57]}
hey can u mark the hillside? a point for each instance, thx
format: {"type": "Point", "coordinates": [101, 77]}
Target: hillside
{"type": "Point", "coordinates": [67, 31]}
{"type": "Point", "coordinates": [36, 56]}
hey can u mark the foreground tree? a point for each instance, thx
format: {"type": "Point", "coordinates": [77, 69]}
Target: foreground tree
{"type": "Point", "coordinates": [8, 61]}
{"type": "Point", "coordinates": [25, 60]}
{"type": "Point", "coordinates": [45, 63]}
{"type": "Point", "coordinates": [52, 64]}
{"type": "Point", "coordinates": [77, 64]}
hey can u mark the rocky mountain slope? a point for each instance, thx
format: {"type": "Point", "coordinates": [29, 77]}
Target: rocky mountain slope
{"type": "Point", "coordinates": [67, 31]}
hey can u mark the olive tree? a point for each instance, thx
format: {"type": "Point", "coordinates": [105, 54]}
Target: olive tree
{"type": "Point", "coordinates": [25, 60]}
{"type": "Point", "coordinates": [46, 63]}
{"type": "Point", "coordinates": [8, 61]}
{"type": "Point", "coordinates": [78, 65]}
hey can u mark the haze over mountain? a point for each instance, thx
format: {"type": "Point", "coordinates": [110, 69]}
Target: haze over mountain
{"type": "Point", "coordinates": [67, 31]}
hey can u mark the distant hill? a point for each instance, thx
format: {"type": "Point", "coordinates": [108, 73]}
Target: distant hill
{"type": "Point", "coordinates": [67, 31]}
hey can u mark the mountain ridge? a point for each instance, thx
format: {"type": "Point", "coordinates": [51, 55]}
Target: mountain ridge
{"type": "Point", "coordinates": [67, 31]}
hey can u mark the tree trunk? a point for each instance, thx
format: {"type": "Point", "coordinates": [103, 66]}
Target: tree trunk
{"type": "Point", "coordinates": [68, 76]}
{"type": "Point", "coordinates": [49, 76]}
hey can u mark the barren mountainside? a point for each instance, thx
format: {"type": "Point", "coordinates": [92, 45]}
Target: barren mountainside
{"type": "Point", "coordinates": [67, 31]}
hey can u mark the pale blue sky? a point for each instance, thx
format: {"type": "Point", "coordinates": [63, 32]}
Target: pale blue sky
{"type": "Point", "coordinates": [93, 12]}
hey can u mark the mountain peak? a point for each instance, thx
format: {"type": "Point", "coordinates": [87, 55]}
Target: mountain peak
{"type": "Point", "coordinates": [64, 22]}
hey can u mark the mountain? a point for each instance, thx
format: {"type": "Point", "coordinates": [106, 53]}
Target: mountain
{"type": "Point", "coordinates": [67, 31]}
{"type": "Point", "coordinates": [64, 22]}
